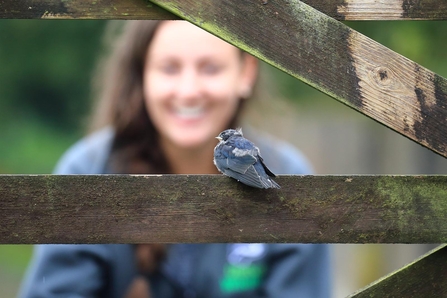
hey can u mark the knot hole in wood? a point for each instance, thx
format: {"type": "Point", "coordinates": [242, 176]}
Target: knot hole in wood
{"type": "Point", "coordinates": [383, 76]}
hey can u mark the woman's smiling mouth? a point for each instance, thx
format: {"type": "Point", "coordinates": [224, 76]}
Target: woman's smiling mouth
{"type": "Point", "coordinates": [189, 113]}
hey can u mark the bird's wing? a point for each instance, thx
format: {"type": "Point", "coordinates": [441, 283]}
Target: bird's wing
{"type": "Point", "coordinates": [264, 174]}
{"type": "Point", "coordinates": [252, 178]}
{"type": "Point", "coordinates": [239, 160]}
{"type": "Point", "coordinates": [266, 169]}
{"type": "Point", "coordinates": [249, 148]}
{"type": "Point", "coordinates": [230, 157]}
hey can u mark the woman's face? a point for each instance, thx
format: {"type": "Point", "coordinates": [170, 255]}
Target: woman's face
{"type": "Point", "coordinates": [192, 84]}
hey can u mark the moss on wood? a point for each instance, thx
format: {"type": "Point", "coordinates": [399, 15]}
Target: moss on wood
{"type": "Point", "coordinates": [215, 208]}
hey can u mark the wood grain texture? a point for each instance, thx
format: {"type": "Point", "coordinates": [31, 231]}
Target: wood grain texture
{"type": "Point", "coordinates": [425, 277]}
{"type": "Point", "coordinates": [390, 10]}
{"type": "Point", "coordinates": [142, 9]}
{"type": "Point", "coordinates": [215, 208]}
{"type": "Point", "coordinates": [83, 9]}
{"type": "Point", "coordinates": [333, 58]}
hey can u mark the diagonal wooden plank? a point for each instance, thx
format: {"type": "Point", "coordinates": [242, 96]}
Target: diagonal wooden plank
{"type": "Point", "coordinates": [425, 277]}
{"type": "Point", "coordinates": [333, 58]}
{"type": "Point", "coordinates": [215, 208]}
{"type": "Point", "coordinates": [141, 9]}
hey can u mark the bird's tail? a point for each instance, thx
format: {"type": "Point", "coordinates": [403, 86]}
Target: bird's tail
{"type": "Point", "coordinates": [269, 183]}
{"type": "Point", "coordinates": [274, 184]}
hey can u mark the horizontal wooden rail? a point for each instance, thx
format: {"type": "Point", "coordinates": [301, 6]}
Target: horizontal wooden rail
{"type": "Point", "coordinates": [142, 9]}
{"type": "Point", "coordinates": [83, 9]}
{"type": "Point", "coordinates": [334, 59]}
{"type": "Point", "coordinates": [215, 208]}
{"type": "Point", "coordinates": [425, 277]}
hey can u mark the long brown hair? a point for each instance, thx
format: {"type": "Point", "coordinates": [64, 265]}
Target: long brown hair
{"type": "Point", "coordinates": [119, 86]}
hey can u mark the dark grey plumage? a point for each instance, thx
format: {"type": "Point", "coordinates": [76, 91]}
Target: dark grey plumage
{"type": "Point", "coordinates": [240, 159]}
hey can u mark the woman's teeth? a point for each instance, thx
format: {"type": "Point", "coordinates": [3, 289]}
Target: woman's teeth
{"type": "Point", "coordinates": [190, 112]}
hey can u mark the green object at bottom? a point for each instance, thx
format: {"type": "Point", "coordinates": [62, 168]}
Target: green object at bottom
{"type": "Point", "coordinates": [238, 278]}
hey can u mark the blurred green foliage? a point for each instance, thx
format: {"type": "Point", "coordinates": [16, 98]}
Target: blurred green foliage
{"type": "Point", "coordinates": [45, 77]}
{"type": "Point", "coordinates": [45, 73]}
{"type": "Point", "coordinates": [46, 66]}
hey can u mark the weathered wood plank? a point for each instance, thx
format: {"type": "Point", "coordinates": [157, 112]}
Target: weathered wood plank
{"type": "Point", "coordinates": [425, 277]}
{"type": "Point", "coordinates": [385, 10]}
{"type": "Point", "coordinates": [215, 208]}
{"type": "Point", "coordinates": [83, 9]}
{"type": "Point", "coordinates": [333, 58]}
{"type": "Point", "coordinates": [141, 9]}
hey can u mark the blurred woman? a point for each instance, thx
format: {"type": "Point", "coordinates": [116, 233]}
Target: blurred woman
{"type": "Point", "coordinates": [169, 89]}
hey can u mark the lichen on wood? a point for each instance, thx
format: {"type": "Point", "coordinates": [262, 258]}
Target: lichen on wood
{"type": "Point", "coordinates": [215, 208]}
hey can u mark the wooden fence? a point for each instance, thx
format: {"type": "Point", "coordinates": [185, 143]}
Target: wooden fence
{"type": "Point", "coordinates": [306, 40]}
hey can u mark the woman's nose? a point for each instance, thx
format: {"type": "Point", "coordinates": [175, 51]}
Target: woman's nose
{"type": "Point", "coordinates": [189, 85]}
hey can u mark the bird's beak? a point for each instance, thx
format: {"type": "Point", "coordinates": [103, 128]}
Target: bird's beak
{"type": "Point", "coordinates": [219, 138]}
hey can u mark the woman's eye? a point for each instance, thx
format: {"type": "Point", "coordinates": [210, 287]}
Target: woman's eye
{"type": "Point", "coordinates": [211, 69]}
{"type": "Point", "coordinates": [169, 69]}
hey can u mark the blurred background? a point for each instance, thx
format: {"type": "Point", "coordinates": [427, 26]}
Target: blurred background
{"type": "Point", "coordinates": [46, 68]}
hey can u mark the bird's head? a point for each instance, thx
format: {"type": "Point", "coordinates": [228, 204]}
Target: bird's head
{"type": "Point", "coordinates": [226, 134]}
